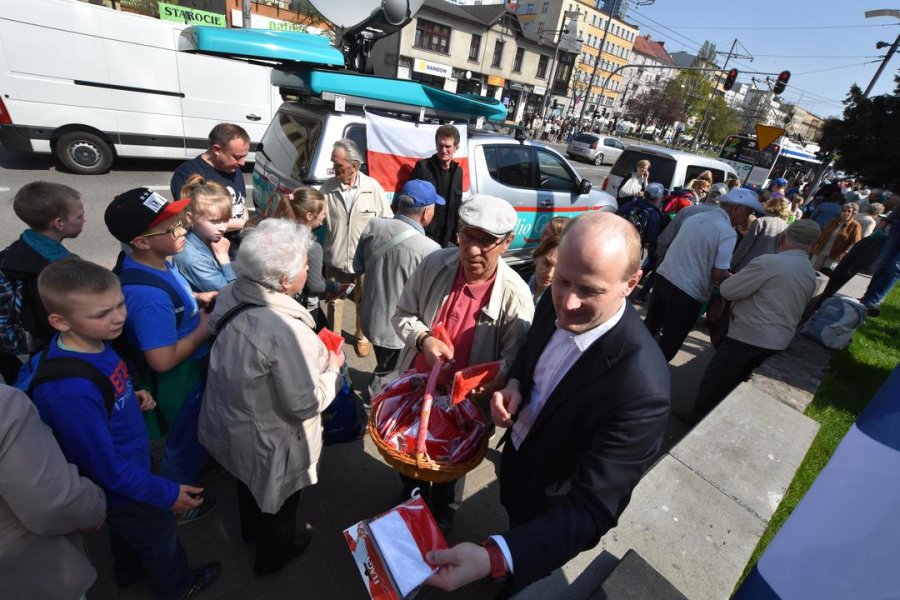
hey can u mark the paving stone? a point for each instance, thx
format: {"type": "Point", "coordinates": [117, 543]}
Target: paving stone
{"type": "Point", "coordinates": [635, 579]}
{"type": "Point", "coordinates": [689, 531]}
{"type": "Point", "coordinates": [749, 447]}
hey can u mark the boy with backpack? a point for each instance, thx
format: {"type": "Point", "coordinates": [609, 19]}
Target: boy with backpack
{"type": "Point", "coordinates": [166, 332]}
{"type": "Point", "coordinates": [53, 213]}
{"type": "Point", "coordinates": [644, 213]}
{"type": "Point", "coordinates": [82, 390]}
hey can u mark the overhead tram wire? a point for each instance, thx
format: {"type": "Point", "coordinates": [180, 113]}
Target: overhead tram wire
{"type": "Point", "coordinates": [730, 28]}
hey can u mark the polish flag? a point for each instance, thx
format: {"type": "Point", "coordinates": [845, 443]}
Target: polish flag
{"type": "Point", "coordinates": [395, 146]}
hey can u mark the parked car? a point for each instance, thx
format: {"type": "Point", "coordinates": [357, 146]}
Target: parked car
{"type": "Point", "coordinates": [595, 148]}
{"type": "Point", "coordinates": [672, 168]}
{"type": "Point", "coordinates": [534, 178]}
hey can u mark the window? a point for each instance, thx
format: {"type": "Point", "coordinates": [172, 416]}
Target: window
{"type": "Point", "coordinates": [498, 54]}
{"type": "Point", "coordinates": [545, 8]}
{"type": "Point", "coordinates": [432, 36]}
{"type": "Point", "coordinates": [530, 9]}
{"type": "Point", "coordinates": [691, 172]}
{"type": "Point", "coordinates": [542, 67]}
{"type": "Point", "coordinates": [510, 165]}
{"type": "Point", "coordinates": [553, 173]}
{"type": "Point", "coordinates": [517, 61]}
{"type": "Point", "coordinates": [475, 47]}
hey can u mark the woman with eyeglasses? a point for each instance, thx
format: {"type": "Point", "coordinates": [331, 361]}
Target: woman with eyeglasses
{"type": "Point", "coordinates": [837, 238]}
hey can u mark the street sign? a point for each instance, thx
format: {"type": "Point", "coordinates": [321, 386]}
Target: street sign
{"type": "Point", "coordinates": [766, 134]}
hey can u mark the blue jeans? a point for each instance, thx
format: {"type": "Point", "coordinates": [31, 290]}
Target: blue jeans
{"type": "Point", "coordinates": [143, 539]}
{"type": "Point", "coordinates": [184, 456]}
{"type": "Point", "coordinates": [888, 270]}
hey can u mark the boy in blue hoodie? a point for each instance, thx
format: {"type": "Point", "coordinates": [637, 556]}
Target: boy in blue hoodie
{"type": "Point", "coordinates": [109, 443]}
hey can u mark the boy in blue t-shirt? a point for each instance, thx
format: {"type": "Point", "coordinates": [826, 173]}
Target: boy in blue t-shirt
{"type": "Point", "coordinates": [172, 338]}
{"type": "Point", "coordinates": [109, 444]}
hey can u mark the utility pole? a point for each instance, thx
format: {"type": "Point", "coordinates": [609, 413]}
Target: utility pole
{"type": "Point", "coordinates": [245, 9]}
{"type": "Point", "coordinates": [887, 57]}
{"type": "Point", "coordinates": [715, 89]}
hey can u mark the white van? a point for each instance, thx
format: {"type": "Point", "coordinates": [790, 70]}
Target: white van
{"type": "Point", "coordinates": [672, 168]}
{"type": "Point", "coordinates": [89, 83]}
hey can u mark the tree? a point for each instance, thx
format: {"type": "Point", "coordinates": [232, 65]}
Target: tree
{"type": "Point", "coordinates": [694, 87]}
{"type": "Point", "coordinates": [866, 138]}
{"type": "Point", "coordinates": [724, 121]}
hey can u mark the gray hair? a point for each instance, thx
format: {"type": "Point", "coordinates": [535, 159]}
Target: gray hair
{"type": "Point", "coordinates": [875, 208]}
{"type": "Point", "coordinates": [406, 206]}
{"type": "Point", "coordinates": [349, 146]}
{"type": "Point", "coordinates": [273, 249]}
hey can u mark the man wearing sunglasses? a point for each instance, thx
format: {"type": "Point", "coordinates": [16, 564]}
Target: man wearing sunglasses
{"type": "Point", "coordinates": [484, 305]}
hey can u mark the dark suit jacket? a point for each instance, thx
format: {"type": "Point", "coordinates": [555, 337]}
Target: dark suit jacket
{"type": "Point", "coordinates": [597, 434]}
{"type": "Point", "coordinates": [442, 228]}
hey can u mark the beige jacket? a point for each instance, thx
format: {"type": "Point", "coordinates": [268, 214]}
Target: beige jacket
{"type": "Point", "coordinates": [345, 228]}
{"type": "Point", "coordinates": [501, 328]}
{"type": "Point", "coordinates": [43, 504]}
{"type": "Point", "coordinates": [268, 383]}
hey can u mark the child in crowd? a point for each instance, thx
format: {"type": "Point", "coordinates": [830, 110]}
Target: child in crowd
{"type": "Point", "coordinates": [53, 213]}
{"type": "Point", "coordinates": [106, 438]}
{"type": "Point", "coordinates": [205, 262]}
{"type": "Point", "coordinates": [165, 327]}
{"type": "Point", "coordinates": [306, 206]}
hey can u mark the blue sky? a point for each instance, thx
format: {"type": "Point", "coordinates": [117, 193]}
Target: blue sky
{"type": "Point", "coordinates": [822, 42]}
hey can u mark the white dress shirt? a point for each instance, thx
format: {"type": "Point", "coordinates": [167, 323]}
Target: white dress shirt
{"type": "Point", "coordinates": [559, 355]}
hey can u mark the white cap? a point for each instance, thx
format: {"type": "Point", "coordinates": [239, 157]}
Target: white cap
{"type": "Point", "coordinates": [743, 197]}
{"type": "Point", "coordinates": [489, 213]}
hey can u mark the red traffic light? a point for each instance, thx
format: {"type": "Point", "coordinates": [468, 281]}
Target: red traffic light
{"type": "Point", "coordinates": [729, 80]}
{"type": "Point", "coordinates": [782, 81]}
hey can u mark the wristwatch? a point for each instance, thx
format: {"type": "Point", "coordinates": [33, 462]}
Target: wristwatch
{"type": "Point", "coordinates": [498, 562]}
{"type": "Point", "coordinates": [421, 341]}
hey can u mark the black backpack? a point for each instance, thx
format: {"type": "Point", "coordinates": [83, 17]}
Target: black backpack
{"type": "Point", "coordinates": [42, 370]}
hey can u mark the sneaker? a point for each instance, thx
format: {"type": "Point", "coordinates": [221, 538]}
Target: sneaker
{"type": "Point", "coordinates": [203, 577]}
{"type": "Point", "coordinates": [195, 514]}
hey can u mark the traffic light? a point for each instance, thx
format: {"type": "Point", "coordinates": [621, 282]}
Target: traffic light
{"type": "Point", "coordinates": [555, 104]}
{"type": "Point", "coordinates": [729, 81]}
{"type": "Point", "coordinates": [782, 81]}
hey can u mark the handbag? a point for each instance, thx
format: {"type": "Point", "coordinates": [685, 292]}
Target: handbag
{"type": "Point", "coordinates": [631, 188]}
{"type": "Point", "coordinates": [341, 419]}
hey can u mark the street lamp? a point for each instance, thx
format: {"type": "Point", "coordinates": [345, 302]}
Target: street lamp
{"type": "Point", "coordinates": [887, 57]}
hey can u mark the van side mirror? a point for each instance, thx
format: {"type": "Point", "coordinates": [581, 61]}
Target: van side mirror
{"type": "Point", "coordinates": [584, 187]}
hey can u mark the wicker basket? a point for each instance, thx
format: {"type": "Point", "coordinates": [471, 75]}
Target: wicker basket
{"type": "Point", "coordinates": [422, 467]}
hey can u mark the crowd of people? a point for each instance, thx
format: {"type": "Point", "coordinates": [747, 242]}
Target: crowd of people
{"type": "Point", "coordinates": [204, 336]}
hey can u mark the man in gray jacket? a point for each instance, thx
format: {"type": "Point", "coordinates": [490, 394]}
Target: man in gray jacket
{"type": "Point", "coordinates": [43, 505]}
{"type": "Point", "coordinates": [388, 252]}
{"type": "Point", "coordinates": [485, 306]}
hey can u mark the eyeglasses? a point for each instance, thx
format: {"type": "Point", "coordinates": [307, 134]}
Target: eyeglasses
{"type": "Point", "coordinates": [171, 231]}
{"type": "Point", "coordinates": [484, 243]}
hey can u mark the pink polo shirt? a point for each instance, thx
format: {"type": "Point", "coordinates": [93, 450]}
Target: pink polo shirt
{"type": "Point", "coordinates": [459, 314]}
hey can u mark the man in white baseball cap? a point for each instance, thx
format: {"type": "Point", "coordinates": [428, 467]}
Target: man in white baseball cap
{"type": "Point", "coordinates": [697, 260]}
{"type": "Point", "coordinates": [485, 306]}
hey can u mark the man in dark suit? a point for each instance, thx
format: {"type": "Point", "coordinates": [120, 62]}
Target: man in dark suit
{"type": "Point", "coordinates": [586, 405]}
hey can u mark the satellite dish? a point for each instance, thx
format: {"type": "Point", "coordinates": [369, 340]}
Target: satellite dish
{"type": "Point", "coordinates": [360, 23]}
{"type": "Point", "coordinates": [351, 14]}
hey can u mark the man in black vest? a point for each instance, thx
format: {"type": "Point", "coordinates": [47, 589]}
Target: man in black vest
{"type": "Point", "coordinates": [446, 175]}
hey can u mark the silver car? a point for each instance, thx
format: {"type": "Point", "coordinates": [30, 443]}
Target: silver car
{"type": "Point", "coordinates": [595, 148]}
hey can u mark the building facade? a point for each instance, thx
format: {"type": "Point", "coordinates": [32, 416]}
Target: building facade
{"type": "Point", "coordinates": [591, 67]}
{"type": "Point", "coordinates": [470, 49]}
{"type": "Point", "coordinates": [655, 71]}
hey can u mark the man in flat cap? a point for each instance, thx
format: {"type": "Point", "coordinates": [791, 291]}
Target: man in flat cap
{"type": "Point", "coordinates": [485, 306]}
{"type": "Point", "coordinates": [768, 298]}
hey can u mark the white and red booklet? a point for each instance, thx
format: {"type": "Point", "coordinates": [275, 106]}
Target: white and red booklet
{"type": "Point", "coordinates": [390, 549]}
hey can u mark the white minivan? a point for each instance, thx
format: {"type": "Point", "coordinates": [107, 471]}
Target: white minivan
{"type": "Point", "coordinates": [672, 168]}
{"type": "Point", "coordinates": [90, 84]}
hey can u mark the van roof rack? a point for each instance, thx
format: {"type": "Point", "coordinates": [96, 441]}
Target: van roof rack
{"type": "Point", "coordinates": [303, 63]}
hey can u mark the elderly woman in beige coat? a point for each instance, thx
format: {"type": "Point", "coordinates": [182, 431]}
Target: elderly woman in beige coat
{"type": "Point", "coordinates": [270, 378]}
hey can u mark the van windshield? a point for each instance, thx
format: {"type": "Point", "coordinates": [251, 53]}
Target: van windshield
{"type": "Point", "coordinates": [662, 170]}
{"type": "Point", "coordinates": [291, 139]}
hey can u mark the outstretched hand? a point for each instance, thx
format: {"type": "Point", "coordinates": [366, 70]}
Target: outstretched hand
{"type": "Point", "coordinates": [458, 566]}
